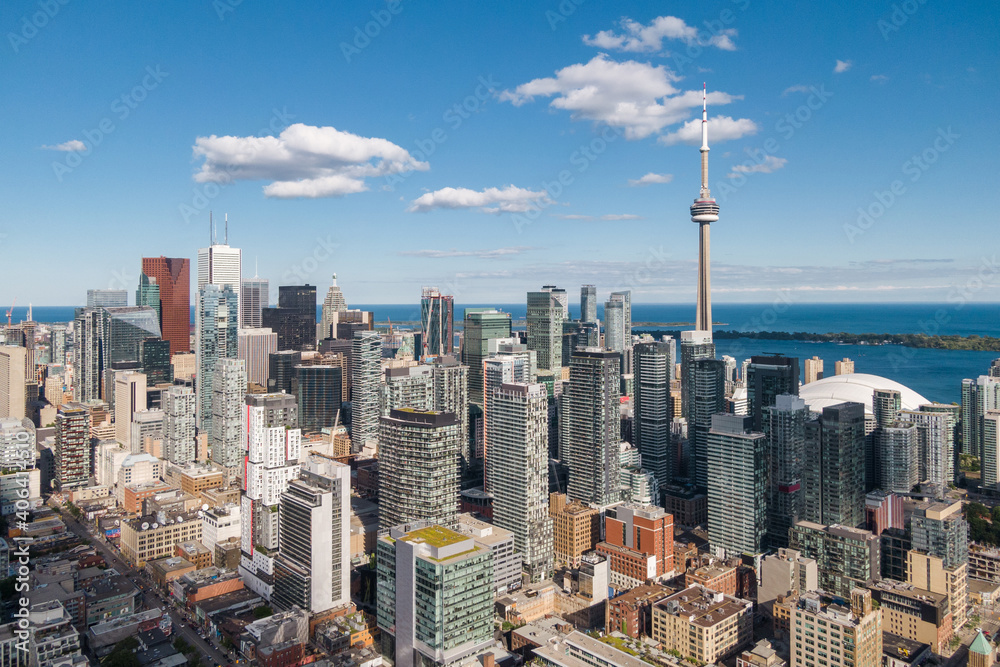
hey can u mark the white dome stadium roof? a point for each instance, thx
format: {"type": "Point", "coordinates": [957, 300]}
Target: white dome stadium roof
{"type": "Point", "coordinates": [856, 388]}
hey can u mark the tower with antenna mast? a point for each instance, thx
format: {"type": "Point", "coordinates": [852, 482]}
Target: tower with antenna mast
{"type": "Point", "coordinates": [704, 211]}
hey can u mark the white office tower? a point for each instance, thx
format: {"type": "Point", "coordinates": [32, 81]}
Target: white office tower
{"type": "Point", "coordinates": [179, 444]}
{"type": "Point", "coordinates": [366, 371]}
{"type": "Point", "coordinates": [221, 265]}
{"type": "Point", "coordinates": [407, 387]}
{"type": "Point", "coordinates": [229, 387]}
{"type": "Point", "coordinates": [518, 433]}
{"type": "Point", "coordinates": [130, 398]}
{"type": "Point", "coordinates": [333, 303]}
{"type": "Point", "coordinates": [254, 347]}
{"type": "Point", "coordinates": [313, 568]}
{"type": "Point", "coordinates": [253, 299]}
{"type": "Point", "coordinates": [272, 446]}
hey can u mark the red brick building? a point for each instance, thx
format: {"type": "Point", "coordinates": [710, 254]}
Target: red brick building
{"type": "Point", "coordinates": [631, 613]}
{"type": "Point", "coordinates": [639, 543]}
{"type": "Point", "coordinates": [715, 575]}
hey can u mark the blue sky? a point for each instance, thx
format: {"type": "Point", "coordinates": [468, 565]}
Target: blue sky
{"type": "Point", "coordinates": [429, 152]}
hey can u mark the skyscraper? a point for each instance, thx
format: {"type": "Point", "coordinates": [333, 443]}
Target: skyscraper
{"type": "Point", "coordinates": [105, 338]}
{"type": "Point", "coordinates": [614, 325]}
{"type": "Point", "coordinates": [833, 477]}
{"type": "Point", "coordinates": [333, 303]}
{"type": "Point", "coordinates": [148, 294]}
{"type": "Point", "coordinates": [517, 429]}
{"type": "Point", "coordinates": [625, 298]}
{"type": "Point", "coordinates": [767, 377]}
{"type": "Point", "coordinates": [229, 387]}
{"type": "Point", "coordinates": [173, 279]}
{"type": "Point", "coordinates": [592, 424]}
{"type": "Point", "coordinates": [107, 298]}
{"type": "Point", "coordinates": [588, 303]}
{"type": "Point", "coordinates": [72, 450]}
{"type": "Point", "coordinates": [221, 265]}
{"type": "Point", "coordinates": [451, 394]}
{"type": "Point", "coordinates": [708, 398]}
{"type": "Point", "coordinates": [480, 326]}
{"type": "Point", "coordinates": [899, 445]}
{"type": "Point", "coordinates": [130, 398]}
{"type": "Point", "coordinates": [654, 366]}
{"type": "Point", "coordinates": [784, 424]}
{"type": "Point", "coordinates": [704, 211]}
{"type": "Point", "coordinates": [366, 371]}
{"type": "Point", "coordinates": [57, 344]}
{"type": "Point", "coordinates": [979, 397]}
{"type": "Point", "coordinates": [694, 345]}
{"type": "Point", "coordinates": [418, 467]}
{"type": "Point", "coordinates": [12, 389]}
{"type": "Point", "coordinates": [254, 348]}
{"type": "Point", "coordinates": [544, 327]}
{"type": "Point", "coordinates": [294, 320]}
{"type": "Point", "coordinates": [179, 407]}
{"type": "Point", "coordinates": [254, 298]}
{"type": "Point", "coordinates": [313, 567]}
{"type": "Point", "coordinates": [437, 322]}
{"type": "Point", "coordinates": [319, 388]}
{"type": "Point", "coordinates": [813, 370]}
{"type": "Point", "coordinates": [737, 486]}
{"type": "Point", "coordinates": [281, 370]}
{"type": "Point", "coordinates": [216, 335]}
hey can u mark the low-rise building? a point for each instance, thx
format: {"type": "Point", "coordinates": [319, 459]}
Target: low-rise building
{"type": "Point", "coordinates": [108, 597]}
{"type": "Point", "coordinates": [535, 601]}
{"type": "Point", "coordinates": [580, 650]}
{"type": "Point", "coordinates": [902, 652]}
{"type": "Point", "coordinates": [227, 554]}
{"type": "Point", "coordinates": [196, 552]}
{"type": "Point", "coordinates": [205, 583]}
{"type": "Point", "coordinates": [631, 613]}
{"type": "Point", "coordinates": [787, 571]}
{"type": "Point", "coordinates": [825, 633]}
{"type": "Point", "coordinates": [703, 624]}
{"type": "Point", "coordinates": [688, 506]}
{"type": "Point", "coordinates": [576, 529]}
{"type": "Point", "coordinates": [715, 575]}
{"type": "Point", "coordinates": [165, 571]}
{"type": "Point", "coordinates": [154, 536]}
{"type": "Point", "coordinates": [761, 655]}
{"type": "Point", "coordinates": [639, 544]}
{"type": "Point", "coordinates": [984, 562]}
{"type": "Point", "coordinates": [914, 613]}
{"type": "Point", "coordinates": [133, 495]}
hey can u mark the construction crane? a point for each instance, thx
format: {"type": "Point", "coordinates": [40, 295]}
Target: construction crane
{"type": "Point", "coordinates": [10, 311]}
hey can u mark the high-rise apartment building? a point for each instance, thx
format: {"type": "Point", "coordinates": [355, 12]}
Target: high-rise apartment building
{"type": "Point", "coordinates": [624, 298]}
{"type": "Point", "coordinates": [72, 450]}
{"type": "Point", "coordinates": [654, 367]}
{"type": "Point", "coordinates": [313, 567]}
{"type": "Point", "coordinates": [846, 558]}
{"type": "Point", "coordinates": [899, 453]}
{"type": "Point", "coordinates": [766, 378]}
{"type": "Point", "coordinates": [57, 344]}
{"type": "Point", "coordinates": [481, 325]}
{"type": "Point", "coordinates": [366, 371]}
{"type": "Point", "coordinates": [229, 387]}
{"type": "Point", "coordinates": [979, 397]}
{"type": "Point", "coordinates": [591, 425]}
{"type": "Point", "coordinates": [694, 345]}
{"type": "Point", "coordinates": [614, 325]}
{"type": "Point", "coordinates": [545, 316]}
{"type": "Point", "coordinates": [738, 467]}
{"type": "Point", "coordinates": [940, 530]}
{"type": "Point", "coordinates": [813, 370]}
{"type": "Point", "coordinates": [173, 279]}
{"type": "Point", "coordinates": [833, 476]}
{"type": "Point", "coordinates": [254, 347]}
{"type": "Point", "coordinates": [419, 455]}
{"type": "Point", "coordinates": [254, 298]}
{"type": "Point", "coordinates": [334, 302]}
{"type": "Point", "coordinates": [319, 389]}
{"type": "Point", "coordinates": [221, 265]}
{"type": "Point", "coordinates": [130, 398]}
{"type": "Point", "coordinates": [843, 367]}
{"type": "Point", "coordinates": [426, 622]}
{"type": "Point", "coordinates": [784, 425]}
{"type": "Point", "coordinates": [437, 323]}
{"type": "Point", "coordinates": [294, 319]}
{"type": "Point", "coordinates": [588, 303]}
{"type": "Point", "coordinates": [451, 394]}
{"type": "Point", "coordinates": [707, 398]}
{"type": "Point", "coordinates": [179, 407]}
{"type": "Point", "coordinates": [216, 334]}
{"type": "Point", "coordinates": [517, 429]}
{"type": "Point", "coordinates": [12, 385]}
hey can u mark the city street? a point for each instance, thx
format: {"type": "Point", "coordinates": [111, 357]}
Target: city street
{"type": "Point", "coordinates": [181, 627]}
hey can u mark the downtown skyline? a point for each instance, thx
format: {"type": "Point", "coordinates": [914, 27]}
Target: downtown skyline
{"type": "Point", "coordinates": [574, 159]}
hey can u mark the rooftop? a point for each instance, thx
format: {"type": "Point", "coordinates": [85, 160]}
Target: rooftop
{"type": "Point", "coordinates": [435, 536]}
{"type": "Point", "coordinates": [703, 606]}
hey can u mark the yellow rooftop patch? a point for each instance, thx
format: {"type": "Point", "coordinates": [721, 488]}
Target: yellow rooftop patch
{"type": "Point", "coordinates": [435, 536]}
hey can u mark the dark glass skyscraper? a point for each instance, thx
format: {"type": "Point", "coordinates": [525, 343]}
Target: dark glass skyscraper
{"type": "Point", "coordinates": [281, 370]}
{"type": "Point", "coordinates": [154, 355]}
{"type": "Point", "coordinates": [767, 377]}
{"type": "Point", "coordinates": [319, 389]}
{"type": "Point", "coordinates": [834, 466]}
{"type": "Point", "coordinates": [437, 323]}
{"type": "Point", "coordinates": [708, 398]}
{"type": "Point", "coordinates": [173, 277]}
{"type": "Point", "coordinates": [785, 427]}
{"type": "Point", "coordinates": [654, 366]}
{"type": "Point", "coordinates": [294, 320]}
{"type": "Point", "coordinates": [481, 326]}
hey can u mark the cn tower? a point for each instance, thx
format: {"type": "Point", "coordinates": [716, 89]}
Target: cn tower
{"type": "Point", "coordinates": [704, 211]}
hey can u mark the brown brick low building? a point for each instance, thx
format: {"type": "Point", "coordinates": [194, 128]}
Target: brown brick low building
{"type": "Point", "coordinates": [631, 613]}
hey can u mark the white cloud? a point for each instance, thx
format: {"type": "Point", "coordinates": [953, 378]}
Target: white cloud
{"type": "Point", "coordinates": [572, 216]}
{"type": "Point", "coordinates": [720, 128]}
{"type": "Point", "coordinates": [607, 216]}
{"type": "Point", "coordinates": [650, 179]}
{"type": "Point", "coordinates": [510, 199]}
{"type": "Point", "coordinates": [637, 37]}
{"type": "Point", "coordinates": [302, 161]}
{"type": "Point", "coordinates": [770, 165]}
{"type": "Point", "coordinates": [638, 97]}
{"type": "Point", "coordinates": [795, 89]}
{"type": "Point", "coordinates": [73, 145]}
{"type": "Point", "coordinates": [480, 254]}
{"type": "Point", "coordinates": [842, 66]}
{"type": "Point", "coordinates": [621, 216]}
{"type": "Point", "coordinates": [879, 78]}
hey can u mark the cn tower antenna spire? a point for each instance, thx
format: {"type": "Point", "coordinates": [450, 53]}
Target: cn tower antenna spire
{"type": "Point", "coordinates": [704, 211]}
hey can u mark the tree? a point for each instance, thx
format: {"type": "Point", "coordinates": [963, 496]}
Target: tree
{"type": "Point", "coordinates": [262, 612]}
{"type": "Point", "coordinates": [123, 654]}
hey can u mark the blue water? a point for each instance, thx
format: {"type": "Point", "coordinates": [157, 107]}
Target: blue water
{"type": "Point", "coordinates": [936, 374]}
